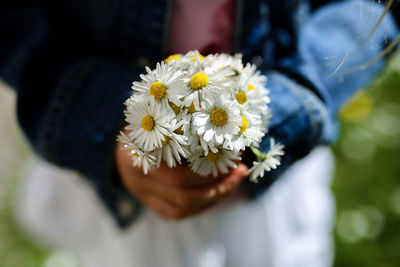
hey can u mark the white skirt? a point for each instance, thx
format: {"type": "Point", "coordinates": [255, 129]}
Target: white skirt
{"type": "Point", "coordinates": [290, 225]}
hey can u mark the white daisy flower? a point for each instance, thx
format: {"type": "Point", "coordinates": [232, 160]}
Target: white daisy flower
{"type": "Point", "coordinates": [194, 141]}
{"type": "Point", "coordinates": [173, 58]}
{"type": "Point", "coordinates": [192, 59]}
{"type": "Point", "coordinates": [140, 158]}
{"type": "Point", "coordinates": [253, 102]}
{"type": "Point", "coordinates": [148, 122]}
{"type": "Point", "coordinates": [212, 163]}
{"type": "Point", "coordinates": [145, 161]}
{"type": "Point", "coordinates": [128, 144]}
{"type": "Point", "coordinates": [163, 84]}
{"type": "Point", "coordinates": [171, 152]}
{"type": "Point", "coordinates": [225, 60]}
{"type": "Point", "coordinates": [255, 80]}
{"type": "Point", "coordinates": [248, 135]}
{"type": "Point", "coordinates": [257, 104]}
{"type": "Point", "coordinates": [173, 147]}
{"type": "Point", "coordinates": [269, 161]}
{"type": "Point", "coordinates": [186, 129]}
{"type": "Point", "coordinates": [204, 83]}
{"type": "Point", "coordinates": [217, 119]}
{"type": "Point", "coordinates": [176, 131]}
{"type": "Point", "coordinates": [207, 146]}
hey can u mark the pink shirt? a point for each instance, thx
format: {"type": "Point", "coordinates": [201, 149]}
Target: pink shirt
{"type": "Point", "coordinates": [204, 25]}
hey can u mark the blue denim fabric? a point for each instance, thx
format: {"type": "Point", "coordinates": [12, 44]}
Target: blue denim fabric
{"type": "Point", "coordinates": [72, 63]}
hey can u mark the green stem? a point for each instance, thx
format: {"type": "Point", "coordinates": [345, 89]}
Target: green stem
{"type": "Point", "coordinates": [260, 155]}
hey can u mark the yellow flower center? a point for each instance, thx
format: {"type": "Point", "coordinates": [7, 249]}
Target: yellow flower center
{"type": "Point", "coordinates": [214, 157]}
{"type": "Point", "coordinates": [244, 126]}
{"type": "Point", "coordinates": [175, 108]}
{"type": "Point", "coordinates": [191, 108]}
{"type": "Point", "coordinates": [200, 56]}
{"type": "Point", "coordinates": [251, 87]}
{"type": "Point", "coordinates": [175, 57]}
{"type": "Point", "coordinates": [147, 123]}
{"type": "Point", "coordinates": [241, 97]}
{"type": "Point", "coordinates": [179, 130]}
{"type": "Point", "coordinates": [219, 117]}
{"type": "Point", "coordinates": [199, 80]}
{"type": "Point", "coordinates": [165, 141]}
{"type": "Point", "coordinates": [134, 153]}
{"type": "Point", "coordinates": [157, 90]}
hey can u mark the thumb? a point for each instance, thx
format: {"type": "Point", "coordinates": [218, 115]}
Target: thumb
{"type": "Point", "coordinates": [238, 174]}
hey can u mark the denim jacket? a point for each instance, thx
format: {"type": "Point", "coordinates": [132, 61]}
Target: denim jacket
{"type": "Point", "coordinates": [72, 63]}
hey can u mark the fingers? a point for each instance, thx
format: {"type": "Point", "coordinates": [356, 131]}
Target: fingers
{"type": "Point", "coordinates": [189, 202]}
{"type": "Point", "coordinates": [161, 207]}
{"type": "Point", "coordinates": [232, 180]}
{"type": "Point", "coordinates": [182, 197]}
{"type": "Point", "coordinates": [169, 211]}
{"type": "Point", "coordinates": [190, 198]}
{"type": "Point", "coordinates": [178, 199]}
{"type": "Point", "coordinates": [181, 176]}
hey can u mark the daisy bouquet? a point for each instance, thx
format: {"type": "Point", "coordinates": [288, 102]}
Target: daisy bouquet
{"type": "Point", "coordinates": [206, 110]}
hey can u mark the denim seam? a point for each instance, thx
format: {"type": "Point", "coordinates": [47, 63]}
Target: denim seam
{"type": "Point", "coordinates": [315, 110]}
{"type": "Point", "coordinates": [311, 104]}
{"type": "Point", "coordinates": [58, 109]}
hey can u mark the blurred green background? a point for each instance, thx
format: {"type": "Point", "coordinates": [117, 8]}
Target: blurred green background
{"type": "Point", "coordinates": [366, 184]}
{"type": "Point", "coordinates": [367, 178]}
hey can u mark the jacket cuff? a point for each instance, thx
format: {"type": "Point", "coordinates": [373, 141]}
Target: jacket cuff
{"type": "Point", "coordinates": [81, 125]}
{"type": "Point", "coordinates": [300, 121]}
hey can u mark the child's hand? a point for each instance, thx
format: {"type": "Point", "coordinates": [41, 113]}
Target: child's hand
{"type": "Point", "coordinates": [176, 193]}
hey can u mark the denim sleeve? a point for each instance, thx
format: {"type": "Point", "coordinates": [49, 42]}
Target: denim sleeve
{"type": "Point", "coordinates": [311, 86]}
{"type": "Point", "coordinates": [70, 107]}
